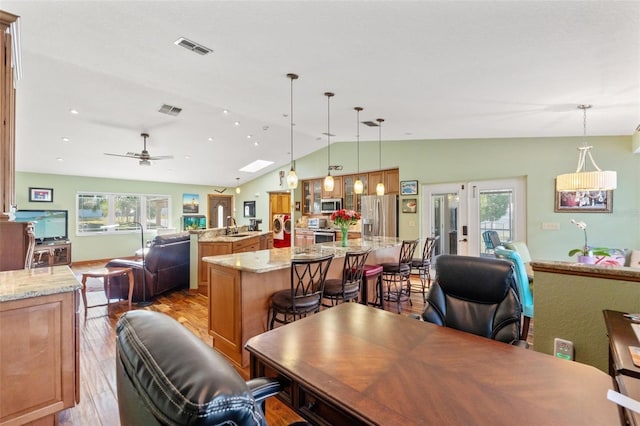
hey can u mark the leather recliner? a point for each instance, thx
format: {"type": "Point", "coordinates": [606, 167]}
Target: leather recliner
{"type": "Point", "coordinates": [166, 375]}
{"type": "Point", "coordinates": [477, 295]}
{"type": "Point", "coordinates": [166, 267]}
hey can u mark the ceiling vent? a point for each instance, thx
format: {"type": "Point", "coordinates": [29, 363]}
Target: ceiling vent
{"type": "Point", "coordinates": [370, 123]}
{"type": "Point", "coordinates": [170, 110]}
{"type": "Point", "coordinates": [193, 46]}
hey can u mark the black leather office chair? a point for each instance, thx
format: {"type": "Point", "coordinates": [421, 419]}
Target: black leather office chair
{"type": "Point", "coordinates": [166, 375]}
{"type": "Point", "coordinates": [347, 287]}
{"type": "Point", "coordinates": [477, 295]}
{"type": "Point", "coordinates": [305, 295]}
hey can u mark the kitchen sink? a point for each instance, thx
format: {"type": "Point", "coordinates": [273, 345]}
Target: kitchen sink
{"type": "Point", "coordinates": [237, 235]}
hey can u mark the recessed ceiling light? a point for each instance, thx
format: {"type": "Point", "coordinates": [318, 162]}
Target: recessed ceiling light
{"type": "Point", "coordinates": [73, 111]}
{"type": "Point", "coordinates": [187, 157]}
{"type": "Point", "coordinates": [256, 143]}
{"type": "Point", "coordinates": [225, 111]}
{"type": "Point", "coordinates": [236, 123]}
{"type": "Point", "coordinates": [256, 165]}
{"type": "Point", "coordinates": [210, 139]}
{"type": "Point", "coordinates": [249, 136]}
{"type": "Point", "coordinates": [60, 159]}
{"type": "Point", "coordinates": [65, 139]}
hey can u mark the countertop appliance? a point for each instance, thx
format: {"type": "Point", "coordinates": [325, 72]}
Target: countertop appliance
{"type": "Point", "coordinates": [316, 223]}
{"type": "Point", "coordinates": [324, 236]}
{"type": "Point", "coordinates": [379, 216]}
{"type": "Point", "coordinates": [330, 205]}
{"type": "Point", "coordinates": [254, 224]}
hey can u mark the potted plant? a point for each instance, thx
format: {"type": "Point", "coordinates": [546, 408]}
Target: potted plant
{"type": "Point", "coordinates": [587, 253]}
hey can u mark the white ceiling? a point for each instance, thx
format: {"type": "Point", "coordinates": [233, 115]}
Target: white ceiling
{"type": "Point", "coordinates": [432, 69]}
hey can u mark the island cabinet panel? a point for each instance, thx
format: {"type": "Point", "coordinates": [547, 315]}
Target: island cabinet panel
{"type": "Point", "coordinates": [247, 244]}
{"type": "Point", "coordinates": [209, 249]}
{"type": "Point", "coordinates": [226, 311]}
{"type": "Point", "coordinates": [39, 358]}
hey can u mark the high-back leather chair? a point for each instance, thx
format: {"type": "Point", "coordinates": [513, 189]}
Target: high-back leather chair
{"type": "Point", "coordinates": [524, 290]}
{"type": "Point", "coordinates": [347, 287]}
{"type": "Point", "coordinates": [477, 295]}
{"type": "Point", "coordinates": [305, 295]}
{"type": "Point", "coordinates": [166, 375]}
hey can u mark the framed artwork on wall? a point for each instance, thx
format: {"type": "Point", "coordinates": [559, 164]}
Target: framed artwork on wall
{"type": "Point", "coordinates": [190, 203]}
{"type": "Point", "coordinates": [41, 195]}
{"type": "Point", "coordinates": [249, 209]}
{"type": "Point", "coordinates": [584, 202]}
{"type": "Point", "coordinates": [409, 187]}
{"type": "Point", "coordinates": [409, 205]}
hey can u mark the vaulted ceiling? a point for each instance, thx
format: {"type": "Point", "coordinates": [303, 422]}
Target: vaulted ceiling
{"type": "Point", "coordinates": [431, 69]}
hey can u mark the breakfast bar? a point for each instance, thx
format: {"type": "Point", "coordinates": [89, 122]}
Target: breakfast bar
{"type": "Point", "coordinates": [241, 284]}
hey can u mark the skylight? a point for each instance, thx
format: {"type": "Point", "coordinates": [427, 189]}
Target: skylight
{"type": "Point", "coordinates": [256, 165]}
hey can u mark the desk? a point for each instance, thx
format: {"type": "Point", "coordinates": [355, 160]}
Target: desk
{"type": "Point", "coordinates": [353, 364]}
{"type": "Point", "coordinates": [106, 273]}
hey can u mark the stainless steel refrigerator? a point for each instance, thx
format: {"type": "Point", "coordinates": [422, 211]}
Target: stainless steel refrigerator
{"type": "Point", "coordinates": [379, 216]}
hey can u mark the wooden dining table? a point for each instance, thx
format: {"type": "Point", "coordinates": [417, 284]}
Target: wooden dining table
{"type": "Point", "coordinates": [353, 364]}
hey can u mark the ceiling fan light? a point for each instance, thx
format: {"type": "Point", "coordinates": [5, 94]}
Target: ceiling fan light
{"type": "Point", "coordinates": [328, 183]}
{"type": "Point", "coordinates": [358, 187]}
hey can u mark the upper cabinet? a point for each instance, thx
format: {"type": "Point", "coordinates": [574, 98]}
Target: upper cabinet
{"type": "Point", "coordinates": [313, 190]}
{"type": "Point", "coordinates": [7, 116]}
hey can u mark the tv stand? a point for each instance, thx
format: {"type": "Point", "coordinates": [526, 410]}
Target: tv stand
{"type": "Point", "coordinates": [52, 253]}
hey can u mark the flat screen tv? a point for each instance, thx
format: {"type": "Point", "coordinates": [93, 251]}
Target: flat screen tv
{"type": "Point", "coordinates": [50, 225]}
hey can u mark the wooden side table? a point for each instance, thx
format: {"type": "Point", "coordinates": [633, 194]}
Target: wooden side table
{"type": "Point", "coordinates": [106, 274]}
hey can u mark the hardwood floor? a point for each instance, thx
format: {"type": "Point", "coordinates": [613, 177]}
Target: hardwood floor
{"type": "Point", "coordinates": [98, 397]}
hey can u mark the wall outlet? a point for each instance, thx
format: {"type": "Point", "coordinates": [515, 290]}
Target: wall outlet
{"type": "Point", "coordinates": [563, 349]}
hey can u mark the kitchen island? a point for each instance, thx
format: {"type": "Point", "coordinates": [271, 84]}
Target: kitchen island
{"type": "Point", "coordinates": [241, 285]}
{"type": "Point", "coordinates": [39, 344]}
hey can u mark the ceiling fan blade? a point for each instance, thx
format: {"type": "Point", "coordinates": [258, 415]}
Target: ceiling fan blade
{"type": "Point", "coordinates": [121, 155]}
{"type": "Point", "coordinates": [161, 157]}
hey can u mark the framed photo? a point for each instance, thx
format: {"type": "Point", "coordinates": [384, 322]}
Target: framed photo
{"type": "Point", "coordinates": [409, 205]}
{"type": "Point", "coordinates": [249, 209]}
{"type": "Point", "coordinates": [41, 195]}
{"type": "Point", "coordinates": [190, 203]}
{"type": "Point", "coordinates": [409, 187]}
{"type": "Point", "coordinates": [584, 202]}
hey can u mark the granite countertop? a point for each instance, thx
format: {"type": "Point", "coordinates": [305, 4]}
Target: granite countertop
{"type": "Point", "coordinates": [215, 236]}
{"type": "Point", "coordinates": [25, 283]}
{"type": "Point", "coordinates": [623, 273]}
{"type": "Point", "coordinates": [280, 258]}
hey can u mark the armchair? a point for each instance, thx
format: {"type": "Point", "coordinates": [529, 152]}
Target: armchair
{"type": "Point", "coordinates": [166, 266]}
{"type": "Point", "coordinates": [167, 375]}
{"type": "Point", "coordinates": [477, 295]}
{"type": "Point", "coordinates": [524, 290]}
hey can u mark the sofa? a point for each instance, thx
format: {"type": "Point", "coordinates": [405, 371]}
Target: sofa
{"type": "Point", "coordinates": [166, 267]}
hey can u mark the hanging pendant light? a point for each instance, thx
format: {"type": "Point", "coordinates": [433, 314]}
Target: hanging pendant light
{"type": "Point", "coordinates": [583, 180]}
{"type": "Point", "coordinates": [237, 185]}
{"type": "Point", "coordinates": [380, 185]}
{"type": "Point", "coordinates": [358, 186]}
{"type": "Point", "coordinates": [328, 181]}
{"type": "Point", "coordinates": [292, 177]}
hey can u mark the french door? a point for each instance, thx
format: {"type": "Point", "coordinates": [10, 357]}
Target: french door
{"type": "Point", "coordinates": [460, 212]}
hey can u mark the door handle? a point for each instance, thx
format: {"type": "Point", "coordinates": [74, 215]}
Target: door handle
{"type": "Point", "coordinates": [464, 240]}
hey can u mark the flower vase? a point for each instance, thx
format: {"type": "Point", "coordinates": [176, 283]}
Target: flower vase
{"type": "Point", "coordinates": [587, 260]}
{"type": "Point", "coordinates": [345, 236]}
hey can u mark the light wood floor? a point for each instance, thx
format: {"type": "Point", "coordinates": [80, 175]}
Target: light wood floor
{"type": "Point", "coordinates": [98, 401]}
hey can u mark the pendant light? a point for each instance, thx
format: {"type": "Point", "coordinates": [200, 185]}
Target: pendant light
{"type": "Point", "coordinates": [380, 185]}
{"type": "Point", "coordinates": [328, 181]}
{"type": "Point", "coordinates": [292, 178]}
{"type": "Point", "coordinates": [583, 180]}
{"type": "Point", "coordinates": [237, 185]}
{"type": "Point", "coordinates": [358, 186]}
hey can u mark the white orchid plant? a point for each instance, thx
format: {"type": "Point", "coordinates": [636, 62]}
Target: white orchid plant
{"type": "Point", "coordinates": [586, 250]}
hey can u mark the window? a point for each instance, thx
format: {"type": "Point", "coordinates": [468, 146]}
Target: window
{"type": "Point", "coordinates": [98, 213]}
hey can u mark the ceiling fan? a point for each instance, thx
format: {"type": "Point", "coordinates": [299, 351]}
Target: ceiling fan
{"type": "Point", "coordinates": [144, 156]}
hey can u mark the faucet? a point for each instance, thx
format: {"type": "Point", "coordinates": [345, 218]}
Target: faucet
{"type": "Point", "coordinates": [231, 220]}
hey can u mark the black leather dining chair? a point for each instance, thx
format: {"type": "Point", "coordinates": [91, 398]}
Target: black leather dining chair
{"type": "Point", "coordinates": [347, 287]}
{"type": "Point", "coordinates": [477, 295]}
{"type": "Point", "coordinates": [304, 297]}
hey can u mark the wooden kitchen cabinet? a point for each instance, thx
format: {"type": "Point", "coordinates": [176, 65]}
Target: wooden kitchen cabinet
{"type": "Point", "coordinates": [217, 248]}
{"type": "Point", "coordinates": [304, 237]}
{"type": "Point", "coordinates": [390, 178]}
{"type": "Point", "coordinates": [266, 241]}
{"type": "Point", "coordinates": [54, 254]}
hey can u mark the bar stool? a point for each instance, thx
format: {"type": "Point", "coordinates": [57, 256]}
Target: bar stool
{"type": "Point", "coordinates": [396, 276]}
{"type": "Point", "coordinates": [372, 274]}
{"type": "Point", "coordinates": [347, 287]}
{"type": "Point", "coordinates": [423, 266]}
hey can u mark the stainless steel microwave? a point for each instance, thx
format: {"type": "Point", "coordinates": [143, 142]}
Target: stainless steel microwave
{"type": "Point", "coordinates": [330, 205]}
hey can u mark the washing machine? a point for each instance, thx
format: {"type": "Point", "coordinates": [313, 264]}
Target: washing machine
{"type": "Point", "coordinates": [287, 230]}
{"type": "Point", "coordinates": [281, 234]}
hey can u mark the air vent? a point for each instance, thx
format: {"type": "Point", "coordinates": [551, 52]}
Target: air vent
{"type": "Point", "coordinates": [193, 46]}
{"type": "Point", "coordinates": [170, 110]}
{"type": "Point", "coordinates": [370, 123]}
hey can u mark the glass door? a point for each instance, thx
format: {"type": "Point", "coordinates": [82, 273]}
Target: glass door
{"type": "Point", "coordinates": [445, 207]}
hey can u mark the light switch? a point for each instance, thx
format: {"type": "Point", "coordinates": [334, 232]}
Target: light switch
{"type": "Point", "coordinates": [551, 226]}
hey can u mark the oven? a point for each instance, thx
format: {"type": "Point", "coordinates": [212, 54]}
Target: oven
{"type": "Point", "coordinates": [323, 237]}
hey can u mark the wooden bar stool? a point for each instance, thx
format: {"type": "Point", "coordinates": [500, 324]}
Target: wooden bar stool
{"type": "Point", "coordinates": [106, 274]}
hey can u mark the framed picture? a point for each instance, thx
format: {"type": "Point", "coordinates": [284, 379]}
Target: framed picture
{"type": "Point", "coordinates": [249, 209]}
{"type": "Point", "coordinates": [584, 202]}
{"type": "Point", "coordinates": [409, 205]}
{"type": "Point", "coordinates": [41, 195]}
{"type": "Point", "coordinates": [409, 187]}
{"type": "Point", "coordinates": [190, 203]}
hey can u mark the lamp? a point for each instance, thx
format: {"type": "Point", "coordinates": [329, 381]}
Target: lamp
{"type": "Point", "coordinates": [583, 180]}
{"type": "Point", "coordinates": [237, 185]}
{"type": "Point", "coordinates": [358, 186]}
{"type": "Point", "coordinates": [380, 185]}
{"type": "Point", "coordinates": [292, 178]}
{"type": "Point", "coordinates": [328, 181]}
{"type": "Point", "coordinates": [144, 301]}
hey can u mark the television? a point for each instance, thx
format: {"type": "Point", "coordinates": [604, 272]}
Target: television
{"type": "Point", "coordinates": [49, 225]}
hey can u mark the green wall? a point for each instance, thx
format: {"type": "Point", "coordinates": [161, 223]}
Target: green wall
{"type": "Point", "coordinates": [428, 161]}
